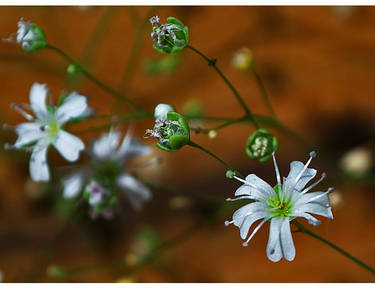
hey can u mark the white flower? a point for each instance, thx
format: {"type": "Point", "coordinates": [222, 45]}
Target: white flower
{"type": "Point", "coordinates": [107, 172]}
{"type": "Point", "coordinates": [45, 129]}
{"type": "Point", "coordinates": [161, 111]}
{"type": "Point", "coordinates": [357, 161]}
{"type": "Point", "coordinates": [280, 205]}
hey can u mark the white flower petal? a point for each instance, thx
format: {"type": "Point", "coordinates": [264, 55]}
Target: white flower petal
{"type": "Point", "coordinates": [73, 106]}
{"type": "Point", "coordinates": [262, 186]}
{"type": "Point", "coordinates": [274, 252]}
{"type": "Point", "coordinates": [73, 185]}
{"type": "Point", "coordinates": [38, 162]}
{"type": "Point", "coordinates": [253, 193]}
{"type": "Point", "coordinates": [68, 145]}
{"type": "Point", "coordinates": [132, 148]}
{"type": "Point", "coordinates": [27, 133]}
{"type": "Point", "coordinates": [306, 198]}
{"type": "Point", "coordinates": [316, 209]}
{"type": "Point", "coordinates": [135, 190]}
{"type": "Point", "coordinates": [295, 169]}
{"type": "Point", "coordinates": [38, 98]}
{"type": "Point", "coordinates": [240, 214]}
{"type": "Point", "coordinates": [249, 221]}
{"type": "Point", "coordinates": [106, 145]}
{"type": "Point", "coordinates": [312, 220]}
{"type": "Point", "coordinates": [287, 245]}
{"type": "Point", "coordinates": [161, 111]}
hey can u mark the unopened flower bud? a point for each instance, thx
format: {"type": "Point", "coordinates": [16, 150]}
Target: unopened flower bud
{"type": "Point", "coordinates": [72, 70]}
{"type": "Point", "coordinates": [172, 133]}
{"type": "Point", "coordinates": [30, 36]}
{"type": "Point", "coordinates": [171, 37]}
{"type": "Point", "coordinates": [261, 144]}
{"type": "Point", "coordinates": [161, 111]}
{"type": "Point", "coordinates": [242, 59]}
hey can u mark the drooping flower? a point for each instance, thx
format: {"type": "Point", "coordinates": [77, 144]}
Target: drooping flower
{"type": "Point", "coordinates": [45, 129]}
{"type": "Point", "coordinates": [30, 36]}
{"type": "Point", "coordinates": [107, 174]}
{"type": "Point", "coordinates": [171, 37]}
{"type": "Point", "coordinates": [261, 144]}
{"type": "Point", "coordinates": [280, 205]}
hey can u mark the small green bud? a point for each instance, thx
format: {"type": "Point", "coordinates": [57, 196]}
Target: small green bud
{"type": "Point", "coordinates": [171, 37]}
{"type": "Point", "coordinates": [30, 36]}
{"type": "Point", "coordinates": [55, 271]}
{"type": "Point", "coordinates": [230, 173]}
{"type": "Point", "coordinates": [261, 144]}
{"type": "Point", "coordinates": [172, 132]}
{"type": "Point", "coordinates": [72, 70]}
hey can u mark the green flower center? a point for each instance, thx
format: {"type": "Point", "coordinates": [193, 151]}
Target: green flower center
{"type": "Point", "coordinates": [278, 206]}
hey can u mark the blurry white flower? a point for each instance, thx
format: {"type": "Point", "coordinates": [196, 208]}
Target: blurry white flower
{"type": "Point", "coordinates": [280, 205]}
{"type": "Point", "coordinates": [357, 161]}
{"type": "Point", "coordinates": [107, 172]}
{"type": "Point", "coordinates": [45, 129]}
{"type": "Point", "coordinates": [161, 111]}
{"type": "Point", "coordinates": [335, 198]}
{"type": "Point", "coordinates": [242, 59]}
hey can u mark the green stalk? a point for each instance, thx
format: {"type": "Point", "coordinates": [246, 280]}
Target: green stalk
{"type": "Point", "coordinates": [303, 229]}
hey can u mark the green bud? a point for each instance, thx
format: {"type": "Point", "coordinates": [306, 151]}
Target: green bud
{"type": "Point", "coordinates": [72, 70]}
{"type": "Point", "coordinates": [172, 132]}
{"type": "Point", "coordinates": [171, 37]}
{"type": "Point", "coordinates": [261, 144]}
{"type": "Point", "coordinates": [55, 271]}
{"type": "Point", "coordinates": [242, 59]}
{"type": "Point", "coordinates": [229, 174]}
{"type": "Point", "coordinates": [30, 36]}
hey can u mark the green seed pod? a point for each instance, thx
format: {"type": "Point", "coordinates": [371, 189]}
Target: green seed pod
{"type": "Point", "coordinates": [261, 144]}
{"type": "Point", "coordinates": [72, 70]}
{"type": "Point", "coordinates": [171, 37]}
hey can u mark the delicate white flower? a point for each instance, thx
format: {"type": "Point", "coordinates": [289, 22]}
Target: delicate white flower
{"type": "Point", "coordinates": [45, 129]}
{"type": "Point", "coordinates": [280, 205]}
{"type": "Point", "coordinates": [161, 111]}
{"type": "Point", "coordinates": [107, 172]}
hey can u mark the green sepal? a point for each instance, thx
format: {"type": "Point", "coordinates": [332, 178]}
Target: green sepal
{"type": "Point", "coordinates": [173, 20]}
{"type": "Point", "coordinates": [40, 40]}
{"type": "Point", "coordinates": [165, 148]}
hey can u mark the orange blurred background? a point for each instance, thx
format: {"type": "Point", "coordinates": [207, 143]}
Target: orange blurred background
{"type": "Point", "coordinates": [318, 65]}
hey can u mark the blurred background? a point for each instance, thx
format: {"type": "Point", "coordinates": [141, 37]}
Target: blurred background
{"type": "Point", "coordinates": [318, 66]}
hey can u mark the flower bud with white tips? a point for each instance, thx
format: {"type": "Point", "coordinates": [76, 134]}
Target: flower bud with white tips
{"type": "Point", "coordinates": [30, 36]}
{"type": "Point", "coordinates": [172, 133]}
{"type": "Point", "coordinates": [261, 144]}
{"type": "Point", "coordinates": [171, 37]}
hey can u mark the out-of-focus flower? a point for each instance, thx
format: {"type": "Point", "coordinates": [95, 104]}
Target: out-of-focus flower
{"type": "Point", "coordinates": [107, 174]}
{"type": "Point", "coordinates": [172, 132]}
{"type": "Point", "coordinates": [30, 36]}
{"type": "Point", "coordinates": [180, 203]}
{"type": "Point", "coordinates": [56, 271]}
{"type": "Point", "coordinates": [45, 129]}
{"type": "Point", "coordinates": [161, 111]}
{"type": "Point", "coordinates": [358, 161]}
{"type": "Point", "coordinates": [242, 59]}
{"type": "Point", "coordinates": [335, 198]}
{"type": "Point", "coordinates": [280, 205]}
{"type": "Point", "coordinates": [212, 134]}
{"type": "Point", "coordinates": [171, 37]}
{"type": "Point", "coordinates": [261, 144]}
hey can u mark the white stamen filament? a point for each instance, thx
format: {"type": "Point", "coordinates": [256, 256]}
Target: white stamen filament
{"type": "Point", "coordinates": [254, 231]}
{"type": "Point", "coordinates": [321, 195]}
{"type": "Point", "coordinates": [277, 172]}
{"type": "Point", "coordinates": [312, 155]}
{"type": "Point", "coordinates": [21, 111]}
{"type": "Point", "coordinates": [324, 175]}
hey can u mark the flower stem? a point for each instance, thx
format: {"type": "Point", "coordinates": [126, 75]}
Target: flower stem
{"type": "Point", "coordinates": [193, 144]}
{"type": "Point", "coordinates": [94, 79]}
{"type": "Point", "coordinates": [212, 63]}
{"type": "Point", "coordinates": [263, 91]}
{"type": "Point", "coordinates": [338, 249]}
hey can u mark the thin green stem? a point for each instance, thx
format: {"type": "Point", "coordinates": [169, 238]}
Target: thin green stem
{"type": "Point", "coordinates": [263, 91]}
{"type": "Point", "coordinates": [106, 88]}
{"type": "Point", "coordinates": [137, 47]}
{"type": "Point", "coordinates": [193, 144]}
{"type": "Point", "coordinates": [330, 244]}
{"type": "Point", "coordinates": [212, 63]}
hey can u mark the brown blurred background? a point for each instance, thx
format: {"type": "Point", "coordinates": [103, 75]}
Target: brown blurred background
{"type": "Point", "coordinates": [318, 65]}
